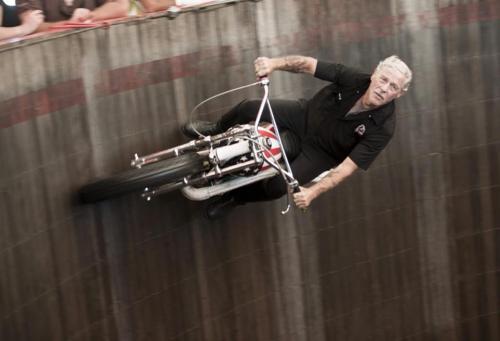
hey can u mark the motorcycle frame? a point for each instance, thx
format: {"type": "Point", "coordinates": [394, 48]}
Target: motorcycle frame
{"type": "Point", "coordinates": [248, 136]}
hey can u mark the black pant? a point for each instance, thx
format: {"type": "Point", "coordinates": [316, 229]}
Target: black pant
{"type": "Point", "coordinates": [292, 116]}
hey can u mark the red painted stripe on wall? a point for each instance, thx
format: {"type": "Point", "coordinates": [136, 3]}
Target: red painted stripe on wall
{"type": "Point", "coordinates": [69, 93]}
{"type": "Point", "coordinates": [468, 13]}
{"type": "Point", "coordinates": [163, 70]}
{"type": "Point", "coordinates": [53, 98]}
{"type": "Point", "coordinates": [136, 76]}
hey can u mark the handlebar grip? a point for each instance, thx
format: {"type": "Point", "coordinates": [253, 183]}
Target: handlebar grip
{"type": "Point", "coordinates": [296, 189]}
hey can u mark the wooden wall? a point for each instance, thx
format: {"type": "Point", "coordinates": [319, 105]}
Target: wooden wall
{"type": "Point", "coordinates": [406, 251]}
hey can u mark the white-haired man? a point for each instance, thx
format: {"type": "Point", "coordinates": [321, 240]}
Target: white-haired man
{"type": "Point", "coordinates": [341, 128]}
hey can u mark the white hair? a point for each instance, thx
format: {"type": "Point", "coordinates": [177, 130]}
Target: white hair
{"type": "Point", "coordinates": [397, 64]}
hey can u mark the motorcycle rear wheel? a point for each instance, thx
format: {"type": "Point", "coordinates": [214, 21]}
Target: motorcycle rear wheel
{"type": "Point", "coordinates": [153, 175]}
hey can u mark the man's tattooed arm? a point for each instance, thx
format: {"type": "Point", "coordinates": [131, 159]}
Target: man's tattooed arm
{"type": "Point", "coordinates": [297, 64]}
{"type": "Point", "coordinates": [265, 66]}
{"type": "Point", "coordinates": [334, 177]}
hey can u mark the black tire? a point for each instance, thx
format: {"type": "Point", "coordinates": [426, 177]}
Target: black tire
{"type": "Point", "coordinates": [159, 173]}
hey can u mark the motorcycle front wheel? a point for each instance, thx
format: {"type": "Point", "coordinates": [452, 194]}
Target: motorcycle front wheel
{"type": "Point", "coordinates": [153, 175]}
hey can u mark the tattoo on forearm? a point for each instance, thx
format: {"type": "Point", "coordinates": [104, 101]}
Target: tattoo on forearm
{"type": "Point", "coordinates": [295, 64]}
{"type": "Point", "coordinates": [329, 181]}
{"type": "Point", "coordinates": [333, 177]}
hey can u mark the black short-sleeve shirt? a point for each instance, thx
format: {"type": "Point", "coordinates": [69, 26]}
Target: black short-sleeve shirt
{"type": "Point", "coordinates": [360, 136]}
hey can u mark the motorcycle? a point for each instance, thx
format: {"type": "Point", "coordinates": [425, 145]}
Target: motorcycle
{"type": "Point", "coordinates": [208, 166]}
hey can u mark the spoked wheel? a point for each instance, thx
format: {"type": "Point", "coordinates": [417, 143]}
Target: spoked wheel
{"type": "Point", "coordinates": [159, 173]}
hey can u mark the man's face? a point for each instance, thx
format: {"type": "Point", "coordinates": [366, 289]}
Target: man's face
{"type": "Point", "coordinates": [386, 84]}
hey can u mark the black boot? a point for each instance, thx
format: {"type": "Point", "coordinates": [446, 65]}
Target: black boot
{"type": "Point", "coordinates": [191, 129]}
{"type": "Point", "coordinates": [222, 206]}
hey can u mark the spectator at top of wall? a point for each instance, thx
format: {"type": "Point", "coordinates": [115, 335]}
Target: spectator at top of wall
{"type": "Point", "coordinates": [9, 23]}
{"type": "Point", "coordinates": [86, 11]}
{"type": "Point", "coordinates": [9, 15]}
{"type": "Point", "coordinates": [156, 5]}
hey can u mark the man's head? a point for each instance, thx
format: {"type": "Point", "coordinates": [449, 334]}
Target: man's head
{"type": "Point", "coordinates": [389, 81]}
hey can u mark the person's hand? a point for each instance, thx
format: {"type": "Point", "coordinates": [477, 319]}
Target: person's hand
{"type": "Point", "coordinates": [303, 198]}
{"type": "Point", "coordinates": [263, 67]}
{"type": "Point", "coordinates": [31, 21]}
{"type": "Point", "coordinates": [82, 15]}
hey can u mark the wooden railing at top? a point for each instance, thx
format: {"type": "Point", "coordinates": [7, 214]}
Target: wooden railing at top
{"type": "Point", "coordinates": [171, 13]}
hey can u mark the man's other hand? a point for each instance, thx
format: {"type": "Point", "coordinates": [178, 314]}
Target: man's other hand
{"type": "Point", "coordinates": [303, 198]}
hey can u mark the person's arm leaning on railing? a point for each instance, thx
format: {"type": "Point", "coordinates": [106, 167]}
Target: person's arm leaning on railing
{"type": "Point", "coordinates": [31, 22]}
{"type": "Point", "coordinates": [156, 5]}
{"type": "Point", "coordinates": [110, 10]}
{"type": "Point", "coordinates": [27, 8]}
{"type": "Point", "coordinates": [43, 26]}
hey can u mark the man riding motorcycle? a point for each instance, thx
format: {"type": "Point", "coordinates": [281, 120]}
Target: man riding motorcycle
{"type": "Point", "coordinates": [341, 128]}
